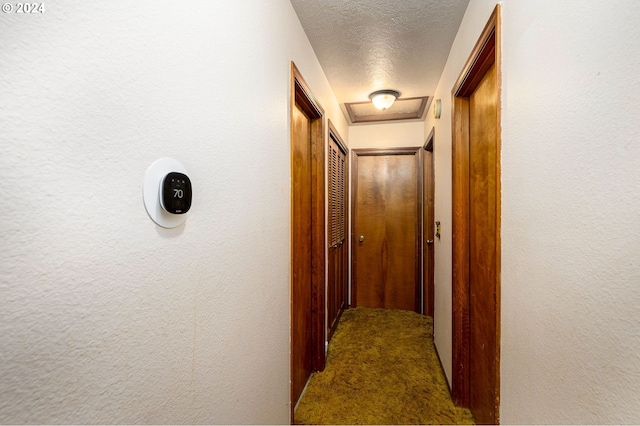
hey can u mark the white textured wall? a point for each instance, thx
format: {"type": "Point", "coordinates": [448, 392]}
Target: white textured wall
{"type": "Point", "coordinates": [570, 230]}
{"type": "Point", "coordinates": [388, 135]}
{"type": "Point", "coordinates": [474, 20]}
{"type": "Point", "coordinates": [105, 317]}
{"type": "Point", "coordinates": [570, 212]}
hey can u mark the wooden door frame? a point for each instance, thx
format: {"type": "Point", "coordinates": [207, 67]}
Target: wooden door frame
{"type": "Point", "coordinates": [428, 220]}
{"type": "Point", "coordinates": [486, 53]}
{"type": "Point", "coordinates": [301, 95]}
{"type": "Point", "coordinates": [355, 153]}
{"type": "Point", "coordinates": [333, 134]}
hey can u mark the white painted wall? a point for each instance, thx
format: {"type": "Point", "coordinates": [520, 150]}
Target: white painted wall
{"type": "Point", "coordinates": [389, 135]}
{"type": "Point", "coordinates": [570, 203]}
{"type": "Point", "coordinates": [105, 317]}
{"type": "Point", "coordinates": [570, 232]}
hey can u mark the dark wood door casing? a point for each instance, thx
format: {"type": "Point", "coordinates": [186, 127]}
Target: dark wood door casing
{"type": "Point", "coordinates": [476, 228]}
{"type": "Point", "coordinates": [307, 235]}
{"type": "Point", "coordinates": [386, 211]}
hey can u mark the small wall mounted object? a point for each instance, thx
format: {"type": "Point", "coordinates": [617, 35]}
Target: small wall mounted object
{"type": "Point", "coordinates": [175, 193]}
{"type": "Point", "coordinates": [437, 108]}
{"type": "Point", "coordinates": [167, 193]}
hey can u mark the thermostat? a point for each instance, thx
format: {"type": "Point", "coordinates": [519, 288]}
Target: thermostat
{"type": "Point", "coordinates": [175, 196]}
{"type": "Point", "coordinates": [167, 193]}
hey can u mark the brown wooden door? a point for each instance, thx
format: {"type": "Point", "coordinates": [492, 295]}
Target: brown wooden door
{"type": "Point", "coordinates": [482, 248]}
{"type": "Point", "coordinates": [428, 226]}
{"type": "Point", "coordinates": [476, 229]}
{"type": "Point", "coordinates": [307, 237]}
{"type": "Point", "coordinates": [337, 225]}
{"type": "Point", "coordinates": [301, 261]}
{"type": "Point", "coordinates": [387, 193]}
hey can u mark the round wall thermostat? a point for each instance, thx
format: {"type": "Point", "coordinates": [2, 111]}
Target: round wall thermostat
{"type": "Point", "coordinates": [175, 193]}
{"type": "Point", "coordinates": [167, 193]}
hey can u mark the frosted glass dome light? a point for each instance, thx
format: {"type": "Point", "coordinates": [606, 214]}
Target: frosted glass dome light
{"type": "Point", "coordinates": [383, 99]}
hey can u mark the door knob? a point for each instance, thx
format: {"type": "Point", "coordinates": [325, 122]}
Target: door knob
{"type": "Point", "coordinates": [361, 238]}
{"type": "Point", "coordinates": [429, 242]}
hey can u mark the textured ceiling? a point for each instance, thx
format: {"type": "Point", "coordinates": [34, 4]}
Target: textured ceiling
{"type": "Point", "coordinates": [368, 45]}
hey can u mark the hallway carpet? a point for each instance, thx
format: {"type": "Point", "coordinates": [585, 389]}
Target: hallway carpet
{"type": "Point", "coordinates": [382, 368]}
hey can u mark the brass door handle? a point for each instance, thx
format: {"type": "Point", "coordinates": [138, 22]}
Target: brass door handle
{"type": "Point", "coordinates": [361, 238]}
{"type": "Point", "coordinates": [429, 242]}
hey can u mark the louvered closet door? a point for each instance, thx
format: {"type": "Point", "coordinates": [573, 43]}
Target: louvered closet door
{"type": "Point", "coordinates": [337, 280]}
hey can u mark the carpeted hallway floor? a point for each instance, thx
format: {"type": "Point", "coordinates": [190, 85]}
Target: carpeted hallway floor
{"type": "Point", "coordinates": [381, 368]}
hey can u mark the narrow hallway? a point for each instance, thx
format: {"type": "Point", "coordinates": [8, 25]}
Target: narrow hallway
{"type": "Point", "coordinates": [382, 368]}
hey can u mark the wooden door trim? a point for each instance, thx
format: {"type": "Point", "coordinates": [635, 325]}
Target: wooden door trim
{"type": "Point", "coordinates": [355, 153]}
{"type": "Point", "coordinates": [333, 133]}
{"type": "Point", "coordinates": [428, 279]}
{"type": "Point", "coordinates": [301, 94]}
{"type": "Point", "coordinates": [486, 53]}
{"type": "Point", "coordinates": [335, 136]}
{"type": "Point", "coordinates": [429, 142]}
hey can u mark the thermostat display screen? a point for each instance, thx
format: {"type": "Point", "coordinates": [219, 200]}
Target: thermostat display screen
{"type": "Point", "coordinates": [176, 193]}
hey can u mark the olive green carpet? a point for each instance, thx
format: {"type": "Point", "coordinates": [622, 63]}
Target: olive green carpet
{"type": "Point", "coordinates": [382, 368]}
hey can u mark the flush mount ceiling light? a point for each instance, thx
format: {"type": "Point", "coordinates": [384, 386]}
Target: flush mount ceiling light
{"type": "Point", "coordinates": [383, 99]}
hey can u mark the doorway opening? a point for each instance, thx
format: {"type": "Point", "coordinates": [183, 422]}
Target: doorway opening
{"type": "Point", "coordinates": [476, 228]}
{"type": "Point", "coordinates": [307, 236]}
{"type": "Point", "coordinates": [386, 224]}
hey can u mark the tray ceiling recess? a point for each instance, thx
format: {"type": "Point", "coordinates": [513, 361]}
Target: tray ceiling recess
{"type": "Point", "coordinates": [367, 45]}
{"type": "Point", "coordinates": [402, 109]}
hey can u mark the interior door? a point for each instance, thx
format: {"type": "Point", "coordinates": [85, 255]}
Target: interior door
{"type": "Point", "coordinates": [301, 256]}
{"type": "Point", "coordinates": [337, 225]}
{"type": "Point", "coordinates": [482, 248]}
{"type": "Point", "coordinates": [476, 228]}
{"type": "Point", "coordinates": [386, 247]}
{"type": "Point", "coordinates": [307, 236]}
